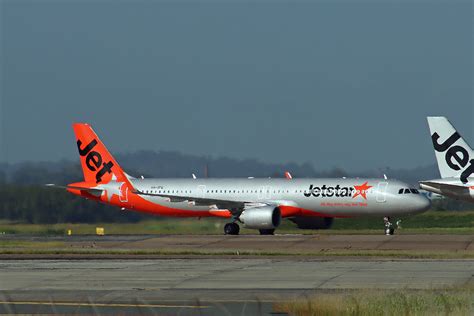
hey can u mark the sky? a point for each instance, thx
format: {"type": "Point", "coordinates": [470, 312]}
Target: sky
{"type": "Point", "coordinates": [335, 83]}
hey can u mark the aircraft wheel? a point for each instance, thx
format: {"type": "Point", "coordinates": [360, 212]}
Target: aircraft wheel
{"type": "Point", "coordinates": [266, 231]}
{"type": "Point", "coordinates": [389, 229]}
{"type": "Point", "coordinates": [231, 229]}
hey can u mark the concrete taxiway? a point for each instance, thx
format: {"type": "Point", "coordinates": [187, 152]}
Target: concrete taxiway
{"type": "Point", "coordinates": [205, 285]}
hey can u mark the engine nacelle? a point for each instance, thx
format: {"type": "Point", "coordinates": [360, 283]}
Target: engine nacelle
{"type": "Point", "coordinates": [266, 217]}
{"type": "Point", "coordinates": [312, 222]}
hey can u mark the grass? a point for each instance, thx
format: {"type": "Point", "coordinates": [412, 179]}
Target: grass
{"type": "Point", "coordinates": [6, 245]}
{"type": "Point", "coordinates": [10, 247]}
{"type": "Point", "coordinates": [452, 301]}
{"type": "Point", "coordinates": [430, 219]}
{"type": "Point", "coordinates": [435, 222]}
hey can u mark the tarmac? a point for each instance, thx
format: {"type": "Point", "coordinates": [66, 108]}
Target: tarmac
{"type": "Point", "coordinates": [205, 286]}
{"type": "Point", "coordinates": [219, 285]}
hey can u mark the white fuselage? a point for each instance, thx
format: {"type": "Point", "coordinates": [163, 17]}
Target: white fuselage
{"type": "Point", "coordinates": [330, 197]}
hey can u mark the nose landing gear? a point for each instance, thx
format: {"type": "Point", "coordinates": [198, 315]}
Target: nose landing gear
{"type": "Point", "coordinates": [231, 229]}
{"type": "Point", "coordinates": [389, 229]}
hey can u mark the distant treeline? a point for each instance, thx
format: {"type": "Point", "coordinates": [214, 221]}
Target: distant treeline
{"type": "Point", "coordinates": [166, 164]}
{"type": "Point", "coordinates": [24, 198]}
{"type": "Point", "coordinates": [37, 204]}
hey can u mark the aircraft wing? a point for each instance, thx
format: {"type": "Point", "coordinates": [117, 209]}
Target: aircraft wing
{"type": "Point", "coordinates": [233, 206]}
{"type": "Point", "coordinates": [445, 187]}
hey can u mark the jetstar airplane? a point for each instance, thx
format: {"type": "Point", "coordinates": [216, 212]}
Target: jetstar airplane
{"type": "Point", "coordinates": [256, 203]}
{"type": "Point", "coordinates": [455, 162]}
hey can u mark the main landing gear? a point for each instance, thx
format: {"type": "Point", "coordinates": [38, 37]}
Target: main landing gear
{"type": "Point", "coordinates": [231, 229]}
{"type": "Point", "coordinates": [234, 229]}
{"type": "Point", "coordinates": [389, 229]}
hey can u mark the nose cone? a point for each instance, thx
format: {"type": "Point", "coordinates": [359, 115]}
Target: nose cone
{"type": "Point", "coordinates": [421, 203]}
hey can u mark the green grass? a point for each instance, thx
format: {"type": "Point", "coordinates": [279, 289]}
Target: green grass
{"type": "Point", "coordinates": [436, 222]}
{"type": "Point", "coordinates": [430, 219]}
{"type": "Point", "coordinates": [451, 301]}
{"type": "Point", "coordinates": [8, 247]}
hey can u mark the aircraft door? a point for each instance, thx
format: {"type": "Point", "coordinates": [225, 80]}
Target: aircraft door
{"type": "Point", "coordinates": [382, 192]}
{"type": "Point", "coordinates": [123, 197]}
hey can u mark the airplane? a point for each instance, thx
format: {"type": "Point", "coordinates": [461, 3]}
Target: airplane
{"type": "Point", "coordinates": [255, 203]}
{"type": "Point", "coordinates": [455, 162]}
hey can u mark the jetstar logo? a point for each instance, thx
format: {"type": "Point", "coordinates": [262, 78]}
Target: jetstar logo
{"type": "Point", "coordinates": [362, 190]}
{"type": "Point", "coordinates": [338, 191]}
{"type": "Point", "coordinates": [94, 160]}
{"type": "Point", "coordinates": [457, 157]}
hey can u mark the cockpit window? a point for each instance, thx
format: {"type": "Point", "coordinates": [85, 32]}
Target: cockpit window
{"type": "Point", "coordinates": [408, 191]}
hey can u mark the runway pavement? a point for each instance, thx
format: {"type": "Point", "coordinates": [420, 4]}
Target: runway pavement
{"type": "Point", "coordinates": [205, 286]}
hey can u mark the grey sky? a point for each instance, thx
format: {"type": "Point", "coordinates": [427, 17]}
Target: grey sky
{"type": "Point", "coordinates": [339, 83]}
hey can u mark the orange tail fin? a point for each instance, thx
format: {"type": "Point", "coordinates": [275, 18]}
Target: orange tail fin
{"type": "Point", "coordinates": [97, 163]}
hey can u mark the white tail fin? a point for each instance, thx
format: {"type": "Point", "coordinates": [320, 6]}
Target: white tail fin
{"type": "Point", "coordinates": [452, 152]}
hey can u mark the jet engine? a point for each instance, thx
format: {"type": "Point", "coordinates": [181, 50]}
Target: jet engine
{"type": "Point", "coordinates": [312, 222]}
{"type": "Point", "coordinates": [266, 217]}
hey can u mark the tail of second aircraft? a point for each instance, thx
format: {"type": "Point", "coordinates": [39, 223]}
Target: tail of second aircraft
{"type": "Point", "coordinates": [97, 163]}
{"type": "Point", "coordinates": [453, 154]}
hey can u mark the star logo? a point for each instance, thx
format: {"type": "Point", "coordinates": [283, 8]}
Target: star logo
{"type": "Point", "coordinates": [362, 190]}
{"type": "Point", "coordinates": [114, 188]}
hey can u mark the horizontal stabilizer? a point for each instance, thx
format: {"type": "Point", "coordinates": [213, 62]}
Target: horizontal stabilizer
{"type": "Point", "coordinates": [93, 191]}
